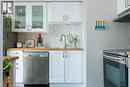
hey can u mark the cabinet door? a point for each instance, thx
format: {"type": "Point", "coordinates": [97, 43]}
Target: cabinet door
{"type": "Point", "coordinates": [128, 3]}
{"type": "Point", "coordinates": [19, 71]}
{"type": "Point", "coordinates": [121, 6]}
{"type": "Point", "coordinates": [73, 67]}
{"type": "Point", "coordinates": [30, 17]}
{"type": "Point", "coordinates": [73, 11]}
{"type": "Point", "coordinates": [18, 67]}
{"type": "Point", "coordinates": [56, 67]}
{"type": "Point", "coordinates": [20, 17]}
{"type": "Point", "coordinates": [38, 16]}
{"type": "Point", "coordinates": [55, 12]}
{"type": "Point", "coordinates": [64, 12]}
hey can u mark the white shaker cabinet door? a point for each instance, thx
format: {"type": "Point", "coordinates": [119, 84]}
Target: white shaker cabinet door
{"type": "Point", "coordinates": [19, 70]}
{"type": "Point", "coordinates": [18, 67]}
{"type": "Point", "coordinates": [56, 67]}
{"type": "Point", "coordinates": [55, 12]}
{"type": "Point", "coordinates": [121, 6]}
{"type": "Point", "coordinates": [64, 12]}
{"type": "Point", "coordinates": [73, 67]}
{"type": "Point", "coordinates": [73, 11]}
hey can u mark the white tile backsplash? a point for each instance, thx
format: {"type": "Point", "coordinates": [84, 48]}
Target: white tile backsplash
{"type": "Point", "coordinates": [52, 38]}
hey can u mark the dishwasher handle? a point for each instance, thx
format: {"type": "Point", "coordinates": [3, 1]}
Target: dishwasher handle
{"type": "Point", "coordinates": [35, 52]}
{"type": "Point", "coordinates": [35, 55]}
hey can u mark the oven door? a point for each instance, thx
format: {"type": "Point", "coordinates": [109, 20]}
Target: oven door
{"type": "Point", "coordinates": [115, 72]}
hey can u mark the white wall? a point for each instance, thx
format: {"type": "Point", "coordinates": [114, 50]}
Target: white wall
{"type": "Point", "coordinates": [1, 46]}
{"type": "Point", "coordinates": [115, 37]}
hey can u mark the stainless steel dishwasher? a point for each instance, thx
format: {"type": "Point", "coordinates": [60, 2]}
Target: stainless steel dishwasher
{"type": "Point", "coordinates": [36, 69]}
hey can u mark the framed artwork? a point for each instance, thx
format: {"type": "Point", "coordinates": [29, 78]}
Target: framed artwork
{"type": "Point", "coordinates": [30, 43]}
{"type": "Point", "coordinates": [100, 25]}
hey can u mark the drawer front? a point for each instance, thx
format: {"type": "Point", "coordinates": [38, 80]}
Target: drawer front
{"type": "Point", "coordinates": [14, 53]}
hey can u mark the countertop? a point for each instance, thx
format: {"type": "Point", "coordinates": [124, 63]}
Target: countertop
{"type": "Point", "coordinates": [51, 49]}
{"type": "Point", "coordinates": [11, 58]}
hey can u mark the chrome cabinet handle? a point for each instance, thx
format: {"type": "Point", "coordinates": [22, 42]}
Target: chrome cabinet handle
{"type": "Point", "coordinates": [17, 63]}
{"type": "Point", "coordinates": [66, 54]}
{"type": "Point", "coordinates": [27, 28]}
{"type": "Point", "coordinates": [16, 53]}
{"type": "Point", "coordinates": [30, 28]}
{"type": "Point", "coordinates": [63, 54]}
{"type": "Point", "coordinates": [65, 17]}
{"type": "Point", "coordinates": [17, 68]}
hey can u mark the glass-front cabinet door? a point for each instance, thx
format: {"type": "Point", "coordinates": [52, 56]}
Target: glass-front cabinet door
{"type": "Point", "coordinates": [20, 17]}
{"type": "Point", "coordinates": [30, 17]}
{"type": "Point", "coordinates": [38, 17]}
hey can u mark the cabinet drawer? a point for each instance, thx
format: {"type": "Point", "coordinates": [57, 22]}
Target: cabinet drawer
{"type": "Point", "coordinates": [14, 53]}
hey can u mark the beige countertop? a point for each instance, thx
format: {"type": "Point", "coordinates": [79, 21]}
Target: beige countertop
{"type": "Point", "coordinates": [51, 49]}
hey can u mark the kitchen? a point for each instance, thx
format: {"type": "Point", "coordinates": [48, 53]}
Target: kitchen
{"type": "Point", "coordinates": [45, 33]}
{"type": "Point", "coordinates": [117, 36]}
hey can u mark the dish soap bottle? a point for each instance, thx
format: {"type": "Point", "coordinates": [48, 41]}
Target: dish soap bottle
{"type": "Point", "coordinates": [39, 41]}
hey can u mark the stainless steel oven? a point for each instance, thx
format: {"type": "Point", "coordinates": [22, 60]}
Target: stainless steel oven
{"type": "Point", "coordinates": [115, 69]}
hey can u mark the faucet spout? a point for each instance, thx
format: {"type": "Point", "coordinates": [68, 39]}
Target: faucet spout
{"type": "Point", "coordinates": [61, 38]}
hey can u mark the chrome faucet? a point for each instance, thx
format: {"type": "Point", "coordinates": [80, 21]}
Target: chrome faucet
{"type": "Point", "coordinates": [65, 45]}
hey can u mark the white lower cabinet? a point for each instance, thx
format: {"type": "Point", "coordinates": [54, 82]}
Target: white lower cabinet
{"type": "Point", "coordinates": [73, 62]}
{"type": "Point", "coordinates": [56, 67]}
{"type": "Point", "coordinates": [65, 68]}
{"type": "Point", "coordinates": [18, 68]}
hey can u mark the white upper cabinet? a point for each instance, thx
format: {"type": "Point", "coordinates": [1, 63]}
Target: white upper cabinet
{"type": "Point", "coordinates": [64, 12]}
{"type": "Point", "coordinates": [128, 3]}
{"type": "Point", "coordinates": [122, 5]}
{"type": "Point", "coordinates": [30, 17]}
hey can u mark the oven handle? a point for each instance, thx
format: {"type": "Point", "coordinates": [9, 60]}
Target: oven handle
{"type": "Point", "coordinates": [128, 62]}
{"type": "Point", "coordinates": [128, 66]}
{"type": "Point", "coordinates": [114, 58]}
